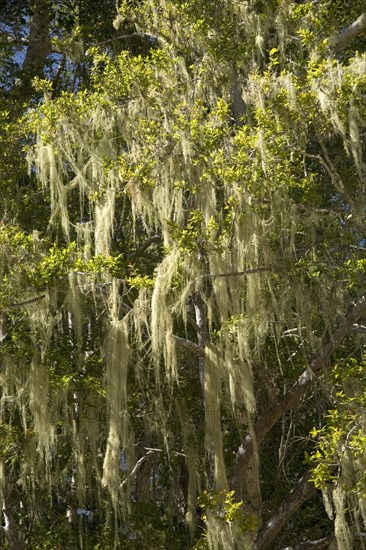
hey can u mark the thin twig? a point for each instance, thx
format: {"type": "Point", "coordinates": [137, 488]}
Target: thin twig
{"type": "Point", "coordinates": [163, 451]}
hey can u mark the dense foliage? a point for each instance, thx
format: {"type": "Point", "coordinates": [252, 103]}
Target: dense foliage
{"type": "Point", "coordinates": [182, 274]}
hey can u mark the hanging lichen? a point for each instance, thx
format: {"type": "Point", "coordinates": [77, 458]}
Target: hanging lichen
{"type": "Point", "coordinates": [241, 200]}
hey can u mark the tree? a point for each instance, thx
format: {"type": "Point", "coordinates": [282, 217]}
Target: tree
{"type": "Point", "coordinates": [182, 326]}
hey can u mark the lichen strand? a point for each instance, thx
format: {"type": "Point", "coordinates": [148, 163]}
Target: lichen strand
{"type": "Point", "coordinates": [117, 360]}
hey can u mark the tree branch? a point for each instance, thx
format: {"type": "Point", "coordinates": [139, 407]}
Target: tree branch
{"type": "Point", "coordinates": [136, 468]}
{"type": "Point", "coordinates": [341, 40]}
{"type": "Point", "coordinates": [189, 346]}
{"type": "Point", "coordinates": [236, 273]}
{"type": "Point", "coordinates": [336, 180]}
{"type": "Point", "coordinates": [25, 302]}
{"type": "Point", "coordinates": [303, 490]}
{"type": "Point", "coordinates": [145, 245]}
{"type": "Point", "coordinates": [151, 39]}
{"type": "Point", "coordinates": [294, 395]}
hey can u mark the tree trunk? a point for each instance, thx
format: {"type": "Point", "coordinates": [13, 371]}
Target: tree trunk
{"type": "Point", "coordinates": [39, 47]}
{"type": "Point", "coordinates": [12, 531]}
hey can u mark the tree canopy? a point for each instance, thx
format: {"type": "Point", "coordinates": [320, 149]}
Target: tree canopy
{"type": "Point", "coordinates": [182, 274]}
